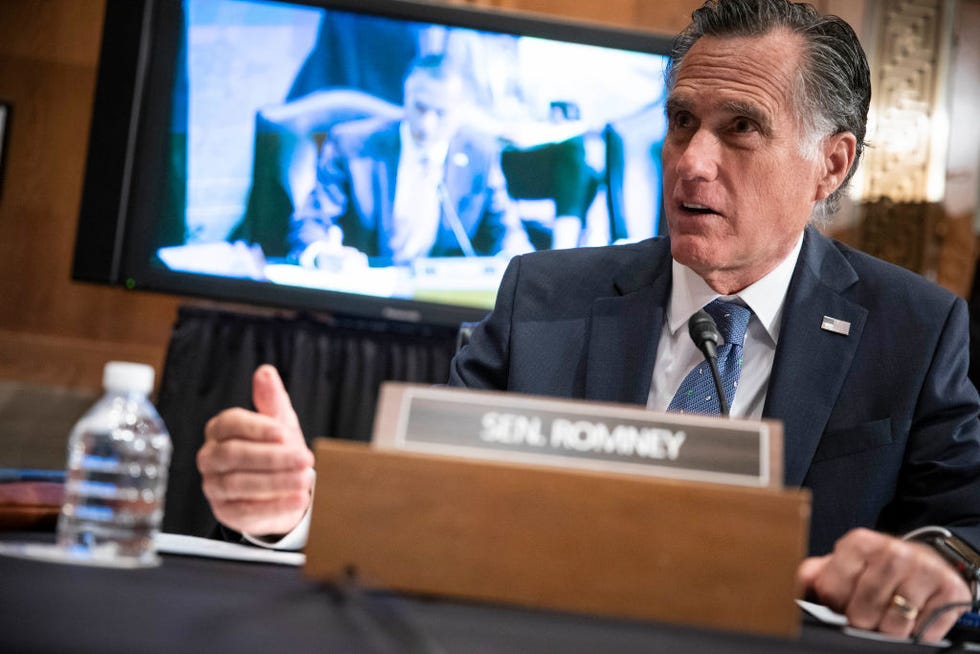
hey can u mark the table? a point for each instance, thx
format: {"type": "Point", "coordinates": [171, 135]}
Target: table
{"type": "Point", "coordinates": [191, 604]}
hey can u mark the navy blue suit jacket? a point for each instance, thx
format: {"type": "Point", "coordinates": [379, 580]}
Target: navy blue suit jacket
{"type": "Point", "coordinates": [355, 189]}
{"type": "Point", "coordinates": [882, 424]}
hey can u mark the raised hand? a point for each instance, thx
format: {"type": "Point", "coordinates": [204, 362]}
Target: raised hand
{"type": "Point", "coordinates": [256, 469]}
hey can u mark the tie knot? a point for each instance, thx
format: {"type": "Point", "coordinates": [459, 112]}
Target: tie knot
{"type": "Point", "coordinates": [732, 320]}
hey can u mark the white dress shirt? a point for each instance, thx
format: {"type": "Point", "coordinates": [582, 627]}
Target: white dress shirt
{"type": "Point", "coordinates": [417, 208]}
{"type": "Point", "coordinates": [294, 540]}
{"type": "Point", "coordinates": [677, 355]}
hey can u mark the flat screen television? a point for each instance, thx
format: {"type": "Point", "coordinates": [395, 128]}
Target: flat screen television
{"type": "Point", "coordinates": [212, 119]}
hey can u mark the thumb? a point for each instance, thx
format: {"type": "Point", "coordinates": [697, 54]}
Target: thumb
{"type": "Point", "coordinates": [270, 396]}
{"type": "Point", "coordinates": [809, 570]}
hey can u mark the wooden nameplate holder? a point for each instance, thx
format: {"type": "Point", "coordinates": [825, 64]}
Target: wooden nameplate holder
{"type": "Point", "coordinates": [592, 541]}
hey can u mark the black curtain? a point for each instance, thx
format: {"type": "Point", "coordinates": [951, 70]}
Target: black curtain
{"type": "Point", "coordinates": [331, 368]}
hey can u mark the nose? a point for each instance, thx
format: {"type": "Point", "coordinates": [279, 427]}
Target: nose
{"type": "Point", "coordinates": [698, 159]}
{"type": "Point", "coordinates": [430, 121]}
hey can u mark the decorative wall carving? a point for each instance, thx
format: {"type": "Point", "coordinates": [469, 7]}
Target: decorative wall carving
{"type": "Point", "coordinates": [920, 236]}
{"type": "Point", "coordinates": [902, 219]}
{"type": "Point", "coordinates": [906, 162]}
{"type": "Point", "coordinates": [904, 233]}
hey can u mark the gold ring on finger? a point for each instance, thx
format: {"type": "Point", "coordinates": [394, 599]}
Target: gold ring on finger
{"type": "Point", "coordinates": [904, 607]}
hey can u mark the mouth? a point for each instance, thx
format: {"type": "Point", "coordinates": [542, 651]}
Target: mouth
{"type": "Point", "coordinates": [696, 209]}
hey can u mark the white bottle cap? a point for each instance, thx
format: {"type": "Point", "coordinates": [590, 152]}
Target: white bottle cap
{"type": "Point", "coordinates": [121, 376]}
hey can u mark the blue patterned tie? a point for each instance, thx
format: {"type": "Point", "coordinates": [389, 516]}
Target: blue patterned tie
{"type": "Point", "coordinates": [697, 393]}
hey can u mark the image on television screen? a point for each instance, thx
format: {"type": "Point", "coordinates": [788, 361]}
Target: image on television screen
{"type": "Point", "coordinates": [360, 153]}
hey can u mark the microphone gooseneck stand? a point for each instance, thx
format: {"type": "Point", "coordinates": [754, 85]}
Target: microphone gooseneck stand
{"type": "Point", "coordinates": [704, 332]}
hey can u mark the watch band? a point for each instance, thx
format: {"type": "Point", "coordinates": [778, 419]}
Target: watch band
{"type": "Point", "coordinates": [956, 551]}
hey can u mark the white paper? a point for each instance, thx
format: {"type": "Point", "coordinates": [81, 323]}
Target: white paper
{"type": "Point", "coordinates": [221, 258]}
{"type": "Point", "coordinates": [216, 549]}
{"type": "Point", "coordinates": [834, 619]}
{"type": "Point", "coordinates": [823, 614]}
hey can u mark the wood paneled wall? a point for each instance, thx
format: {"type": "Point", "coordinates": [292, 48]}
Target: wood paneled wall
{"type": "Point", "coordinates": [665, 16]}
{"type": "Point", "coordinates": [57, 331]}
{"type": "Point", "coordinates": [53, 330]}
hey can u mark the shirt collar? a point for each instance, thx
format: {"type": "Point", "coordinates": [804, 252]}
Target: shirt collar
{"type": "Point", "coordinates": [437, 151]}
{"type": "Point", "coordinates": [765, 297]}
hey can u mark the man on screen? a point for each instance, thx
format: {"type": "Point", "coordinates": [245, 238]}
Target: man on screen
{"type": "Point", "coordinates": [398, 190]}
{"type": "Point", "coordinates": [865, 363]}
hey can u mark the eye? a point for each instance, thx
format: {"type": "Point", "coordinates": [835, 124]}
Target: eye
{"type": "Point", "coordinates": [742, 125]}
{"type": "Point", "coordinates": [681, 120]}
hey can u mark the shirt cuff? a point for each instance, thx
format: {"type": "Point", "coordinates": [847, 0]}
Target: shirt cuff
{"type": "Point", "coordinates": [295, 539]}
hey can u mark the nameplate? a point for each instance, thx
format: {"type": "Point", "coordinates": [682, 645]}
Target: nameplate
{"type": "Point", "coordinates": [602, 436]}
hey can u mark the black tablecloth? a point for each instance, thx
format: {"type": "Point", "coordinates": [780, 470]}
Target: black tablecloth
{"type": "Point", "coordinates": [204, 605]}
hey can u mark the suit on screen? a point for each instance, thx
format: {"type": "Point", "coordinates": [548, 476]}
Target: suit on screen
{"type": "Point", "coordinates": [356, 190]}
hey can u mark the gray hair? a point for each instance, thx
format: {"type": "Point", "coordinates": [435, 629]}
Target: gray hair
{"type": "Point", "coordinates": [435, 67]}
{"type": "Point", "coordinates": [833, 89]}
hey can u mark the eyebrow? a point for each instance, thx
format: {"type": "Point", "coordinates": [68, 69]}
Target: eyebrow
{"type": "Point", "coordinates": [750, 111]}
{"type": "Point", "coordinates": [675, 103]}
{"type": "Point", "coordinates": [733, 107]}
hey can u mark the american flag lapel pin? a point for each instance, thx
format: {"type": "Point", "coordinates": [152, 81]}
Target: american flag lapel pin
{"type": "Point", "coordinates": [836, 325]}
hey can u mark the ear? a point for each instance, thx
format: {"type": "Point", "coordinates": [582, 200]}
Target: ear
{"type": "Point", "coordinates": [837, 152]}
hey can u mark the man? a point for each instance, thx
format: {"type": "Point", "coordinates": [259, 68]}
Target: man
{"type": "Point", "coordinates": [417, 187]}
{"type": "Point", "coordinates": [863, 362]}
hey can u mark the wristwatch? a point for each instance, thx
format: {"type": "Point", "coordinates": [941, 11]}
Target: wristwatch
{"type": "Point", "coordinates": [956, 551]}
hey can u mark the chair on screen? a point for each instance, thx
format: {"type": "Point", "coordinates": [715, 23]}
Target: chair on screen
{"type": "Point", "coordinates": [288, 137]}
{"type": "Point", "coordinates": [556, 174]}
{"type": "Point", "coordinates": [633, 174]}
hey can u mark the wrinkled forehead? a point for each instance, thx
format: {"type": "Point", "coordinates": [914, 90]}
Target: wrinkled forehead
{"type": "Point", "coordinates": [751, 71]}
{"type": "Point", "coordinates": [764, 69]}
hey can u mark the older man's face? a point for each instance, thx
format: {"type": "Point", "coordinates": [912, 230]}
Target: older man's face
{"type": "Point", "coordinates": [431, 108]}
{"type": "Point", "coordinates": [738, 192]}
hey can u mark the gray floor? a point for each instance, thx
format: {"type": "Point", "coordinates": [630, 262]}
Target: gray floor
{"type": "Point", "coordinates": [35, 421]}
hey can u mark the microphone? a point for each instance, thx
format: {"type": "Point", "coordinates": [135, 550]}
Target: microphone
{"type": "Point", "coordinates": [452, 217]}
{"type": "Point", "coordinates": [704, 333]}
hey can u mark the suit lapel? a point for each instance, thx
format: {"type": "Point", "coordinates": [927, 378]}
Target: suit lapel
{"type": "Point", "coordinates": [625, 330]}
{"type": "Point", "coordinates": [811, 363]}
{"type": "Point", "coordinates": [380, 167]}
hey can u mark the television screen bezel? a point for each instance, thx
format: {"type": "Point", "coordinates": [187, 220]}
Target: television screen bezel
{"type": "Point", "coordinates": [132, 118]}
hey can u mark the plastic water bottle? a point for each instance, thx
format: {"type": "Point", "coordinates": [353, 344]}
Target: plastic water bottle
{"type": "Point", "coordinates": [118, 455]}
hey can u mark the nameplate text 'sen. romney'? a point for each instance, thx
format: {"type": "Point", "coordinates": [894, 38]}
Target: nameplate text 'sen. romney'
{"type": "Point", "coordinates": [578, 434]}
